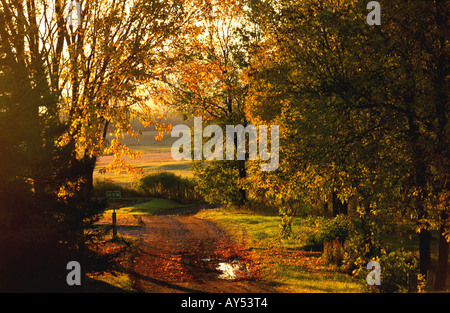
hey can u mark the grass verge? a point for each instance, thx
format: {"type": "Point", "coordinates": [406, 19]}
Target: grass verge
{"type": "Point", "coordinates": [149, 207]}
{"type": "Point", "coordinates": [289, 268]}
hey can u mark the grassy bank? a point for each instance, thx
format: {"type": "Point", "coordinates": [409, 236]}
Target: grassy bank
{"type": "Point", "coordinates": [289, 268]}
{"type": "Point", "coordinates": [149, 207]}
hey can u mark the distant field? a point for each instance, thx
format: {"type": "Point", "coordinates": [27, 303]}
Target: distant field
{"type": "Point", "coordinates": [156, 156]}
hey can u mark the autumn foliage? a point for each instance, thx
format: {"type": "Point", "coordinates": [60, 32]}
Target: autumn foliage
{"type": "Point", "coordinates": [362, 110]}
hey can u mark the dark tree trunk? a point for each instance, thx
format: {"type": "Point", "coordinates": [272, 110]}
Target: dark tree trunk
{"type": "Point", "coordinates": [441, 106]}
{"type": "Point", "coordinates": [367, 232]}
{"type": "Point", "coordinates": [442, 264]}
{"type": "Point", "coordinates": [421, 183]}
{"type": "Point", "coordinates": [339, 207]}
{"type": "Point", "coordinates": [242, 175]}
{"type": "Point", "coordinates": [424, 234]}
{"type": "Point", "coordinates": [242, 169]}
{"type": "Point", "coordinates": [334, 203]}
{"type": "Point", "coordinates": [87, 173]}
{"type": "Point", "coordinates": [424, 251]}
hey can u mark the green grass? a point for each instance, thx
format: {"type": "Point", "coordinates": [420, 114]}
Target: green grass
{"type": "Point", "coordinates": [118, 283]}
{"type": "Point", "coordinates": [257, 228]}
{"type": "Point", "coordinates": [149, 207]}
{"type": "Point", "coordinates": [261, 233]}
{"type": "Point", "coordinates": [294, 279]}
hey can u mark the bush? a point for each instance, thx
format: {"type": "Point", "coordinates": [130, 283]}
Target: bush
{"type": "Point", "coordinates": [328, 230]}
{"type": "Point", "coordinates": [333, 252]}
{"type": "Point", "coordinates": [343, 246]}
{"type": "Point", "coordinates": [101, 186]}
{"type": "Point", "coordinates": [399, 271]}
{"type": "Point", "coordinates": [169, 186]}
{"type": "Point", "coordinates": [218, 181]}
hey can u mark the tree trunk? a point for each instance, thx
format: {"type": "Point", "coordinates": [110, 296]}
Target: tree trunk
{"type": "Point", "coordinates": [344, 208]}
{"type": "Point", "coordinates": [334, 203]}
{"type": "Point", "coordinates": [421, 185]}
{"type": "Point", "coordinates": [424, 251]}
{"type": "Point", "coordinates": [242, 175]}
{"type": "Point", "coordinates": [242, 169]}
{"type": "Point", "coordinates": [424, 234]}
{"type": "Point", "coordinates": [367, 232]}
{"type": "Point", "coordinates": [442, 264]}
{"type": "Point", "coordinates": [339, 207]}
{"type": "Point", "coordinates": [441, 106]}
{"type": "Point", "coordinates": [88, 167]}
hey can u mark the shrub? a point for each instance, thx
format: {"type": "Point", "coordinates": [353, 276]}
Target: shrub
{"type": "Point", "coordinates": [169, 186]}
{"type": "Point", "coordinates": [328, 230]}
{"type": "Point", "coordinates": [333, 252]}
{"type": "Point", "coordinates": [399, 271]}
{"type": "Point", "coordinates": [356, 251]}
{"type": "Point", "coordinates": [101, 186]}
{"type": "Point", "coordinates": [286, 226]}
{"type": "Point", "coordinates": [343, 246]}
{"type": "Point", "coordinates": [218, 181]}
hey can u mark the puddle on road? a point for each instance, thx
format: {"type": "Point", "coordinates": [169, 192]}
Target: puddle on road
{"type": "Point", "coordinates": [233, 270]}
{"type": "Point", "coordinates": [229, 270]}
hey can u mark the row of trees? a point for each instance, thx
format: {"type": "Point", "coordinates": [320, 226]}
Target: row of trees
{"type": "Point", "coordinates": [363, 110]}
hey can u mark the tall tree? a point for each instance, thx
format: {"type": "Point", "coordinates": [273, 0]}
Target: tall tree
{"type": "Point", "coordinates": [42, 228]}
{"type": "Point", "coordinates": [99, 58]}
{"type": "Point", "coordinates": [206, 81]}
{"type": "Point", "coordinates": [67, 74]}
{"type": "Point", "coordinates": [365, 105]}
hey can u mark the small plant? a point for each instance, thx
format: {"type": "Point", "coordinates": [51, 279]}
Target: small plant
{"type": "Point", "coordinates": [333, 253]}
{"type": "Point", "coordinates": [421, 283]}
{"type": "Point", "coordinates": [286, 226]}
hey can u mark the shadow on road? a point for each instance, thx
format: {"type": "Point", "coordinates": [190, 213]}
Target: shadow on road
{"type": "Point", "coordinates": [162, 283]}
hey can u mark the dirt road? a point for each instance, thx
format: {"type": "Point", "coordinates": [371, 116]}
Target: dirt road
{"type": "Point", "coordinates": [181, 254]}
